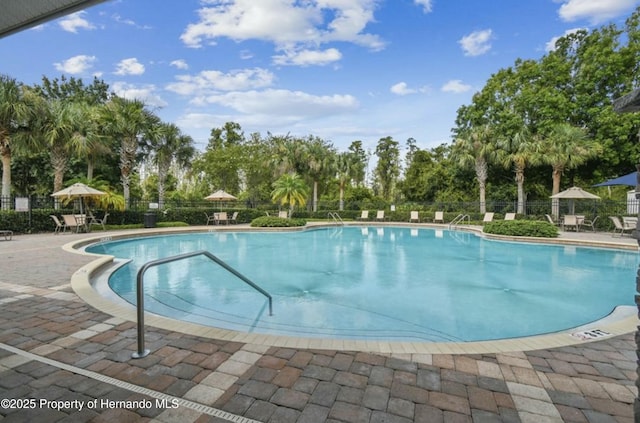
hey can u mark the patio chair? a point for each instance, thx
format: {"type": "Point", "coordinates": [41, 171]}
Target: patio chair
{"type": "Point", "coordinates": [211, 218]}
{"type": "Point", "coordinates": [283, 214]}
{"type": "Point", "coordinates": [95, 221]}
{"type": "Point", "coordinates": [59, 225]}
{"type": "Point", "coordinates": [570, 221]}
{"type": "Point", "coordinates": [509, 216]}
{"type": "Point", "coordinates": [234, 217]}
{"type": "Point", "coordinates": [364, 215]}
{"type": "Point", "coordinates": [414, 216]}
{"type": "Point", "coordinates": [439, 217]}
{"type": "Point", "coordinates": [380, 215]}
{"type": "Point", "coordinates": [70, 222]}
{"type": "Point", "coordinates": [488, 217]}
{"type": "Point", "coordinates": [222, 218]}
{"type": "Point", "coordinates": [619, 227]}
{"type": "Point", "coordinates": [590, 223]}
{"type": "Point", "coordinates": [551, 220]}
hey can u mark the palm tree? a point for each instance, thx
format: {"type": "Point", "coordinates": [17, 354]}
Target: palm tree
{"type": "Point", "coordinates": [519, 151]}
{"type": "Point", "coordinates": [15, 112]}
{"type": "Point", "coordinates": [127, 121]}
{"type": "Point", "coordinates": [63, 130]}
{"type": "Point", "coordinates": [167, 145]}
{"type": "Point", "coordinates": [566, 147]}
{"type": "Point", "coordinates": [290, 189]}
{"type": "Point", "coordinates": [474, 148]}
{"type": "Point", "coordinates": [346, 168]}
{"type": "Point", "coordinates": [319, 155]}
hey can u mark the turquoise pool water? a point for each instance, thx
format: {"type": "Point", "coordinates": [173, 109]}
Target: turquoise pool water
{"type": "Point", "coordinates": [391, 283]}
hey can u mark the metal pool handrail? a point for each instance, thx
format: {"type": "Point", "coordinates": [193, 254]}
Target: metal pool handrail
{"type": "Point", "coordinates": [142, 352]}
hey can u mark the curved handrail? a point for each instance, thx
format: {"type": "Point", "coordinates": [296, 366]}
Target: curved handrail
{"type": "Point", "coordinates": [336, 218]}
{"type": "Point", "coordinates": [142, 352]}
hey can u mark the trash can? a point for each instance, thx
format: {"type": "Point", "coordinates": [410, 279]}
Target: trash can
{"type": "Point", "coordinates": [150, 219]}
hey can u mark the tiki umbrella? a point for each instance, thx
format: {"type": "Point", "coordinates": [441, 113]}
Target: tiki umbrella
{"type": "Point", "coordinates": [220, 195]}
{"type": "Point", "coordinates": [574, 193]}
{"type": "Point", "coordinates": [78, 190]}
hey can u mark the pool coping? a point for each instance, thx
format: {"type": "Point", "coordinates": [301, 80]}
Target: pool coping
{"type": "Point", "coordinates": [623, 320]}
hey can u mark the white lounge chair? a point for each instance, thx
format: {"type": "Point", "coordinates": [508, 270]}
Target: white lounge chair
{"type": "Point", "coordinates": [380, 215]}
{"type": "Point", "coordinates": [619, 227]}
{"type": "Point", "coordinates": [283, 214]}
{"type": "Point", "coordinates": [509, 216]}
{"type": "Point", "coordinates": [439, 217]}
{"type": "Point", "coordinates": [550, 220]}
{"type": "Point", "coordinates": [364, 215]}
{"type": "Point", "coordinates": [488, 217]}
{"type": "Point", "coordinates": [414, 216]}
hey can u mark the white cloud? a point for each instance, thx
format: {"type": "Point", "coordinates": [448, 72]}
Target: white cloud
{"type": "Point", "coordinates": [129, 66]}
{"type": "Point", "coordinates": [76, 65]}
{"type": "Point", "coordinates": [284, 102]}
{"type": "Point", "coordinates": [75, 21]}
{"type": "Point", "coordinates": [401, 88]}
{"type": "Point", "coordinates": [180, 64]}
{"type": "Point", "coordinates": [551, 44]}
{"type": "Point", "coordinates": [308, 57]}
{"type": "Point", "coordinates": [476, 43]}
{"type": "Point", "coordinates": [285, 23]}
{"type": "Point", "coordinates": [455, 86]}
{"type": "Point", "coordinates": [146, 93]}
{"type": "Point", "coordinates": [208, 81]}
{"type": "Point", "coordinates": [595, 11]}
{"type": "Point", "coordinates": [426, 5]}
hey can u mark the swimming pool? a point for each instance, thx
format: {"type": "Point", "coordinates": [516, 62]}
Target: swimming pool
{"type": "Point", "coordinates": [377, 283]}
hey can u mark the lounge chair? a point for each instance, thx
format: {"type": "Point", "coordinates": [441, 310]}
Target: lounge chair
{"type": "Point", "coordinates": [380, 215]}
{"type": "Point", "coordinates": [283, 214]}
{"type": "Point", "coordinates": [570, 220]}
{"type": "Point", "coordinates": [364, 215]}
{"type": "Point", "coordinates": [211, 218]}
{"type": "Point", "coordinates": [509, 216]}
{"type": "Point", "coordinates": [619, 227]}
{"type": "Point", "coordinates": [59, 225]}
{"type": "Point", "coordinates": [414, 216]}
{"type": "Point", "coordinates": [7, 234]}
{"type": "Point", "coordinates": [550, 220]}
{"type": "Point", "coordinates": [439, 217]}
{"type": "Point", "coordinates": [488, 217]}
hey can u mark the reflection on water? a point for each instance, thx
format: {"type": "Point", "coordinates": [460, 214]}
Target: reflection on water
{"type": "Point", "coordinates": [394, 283]}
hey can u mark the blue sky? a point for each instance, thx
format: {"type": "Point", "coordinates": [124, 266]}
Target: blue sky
{"type": "Point", "coordinates": [342, 70]}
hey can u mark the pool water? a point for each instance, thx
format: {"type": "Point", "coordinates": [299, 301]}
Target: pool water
{"type": "Point", "coordinates": [391, 283]}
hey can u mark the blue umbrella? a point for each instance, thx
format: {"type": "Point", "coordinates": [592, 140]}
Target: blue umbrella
{"type": "Point", "coordinates": [629, 179]}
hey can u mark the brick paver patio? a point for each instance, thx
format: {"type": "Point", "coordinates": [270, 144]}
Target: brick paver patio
{"type": "Point", "coordinates": [63, 361]}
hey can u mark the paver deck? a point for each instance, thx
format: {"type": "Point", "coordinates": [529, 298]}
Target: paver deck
{"type": "Point", "coordinates": [62, 360]}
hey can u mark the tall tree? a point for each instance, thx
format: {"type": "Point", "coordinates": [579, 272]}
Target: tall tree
{"type": "Point", "coordinates": [320, 158]}
{"type": "Point", "coordinates": [474, 148]}
{"type": "Point", "coordinates": [127, 121]}
{"type": "Point", "coordinates": [517, 152]}
{"type": "Point", "coordinates": [361, 162]}
{"type": "Point", "coordinates": [15, 113]}
{"type": "Point", "coordinates": [387, 169]}
{"type": "Point", "coordinates": [166, 145]}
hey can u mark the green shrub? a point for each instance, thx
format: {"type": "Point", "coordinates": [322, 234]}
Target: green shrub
{"type": "Point", "coordinates": [522, 228]}
{"type": "Point", "coordinates": [276, 222]}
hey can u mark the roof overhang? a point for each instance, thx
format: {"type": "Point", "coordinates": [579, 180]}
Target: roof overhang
{"type": "Point", "coordinates": [18, 15]}
{"type": "Point", "coordinates": [628, 103]}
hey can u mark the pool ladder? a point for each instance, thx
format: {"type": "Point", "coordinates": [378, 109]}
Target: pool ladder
{"type": "Point", "coordinates": [336, 218]}
{"type": "Point", "coordinates": [459, 218]}
{"type": "Point", "coordinates": [142, 352]}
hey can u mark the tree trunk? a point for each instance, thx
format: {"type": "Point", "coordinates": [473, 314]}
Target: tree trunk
{"type": "Point", "coordinates": [341, 204]}
{"type": "Point", "coordinates": [315, 196]}
{"type": "Point", "coordinates": [555, 203]}
{"type": "Point", "coordinates": [482, 174]}
{"type": "Point", "coordinates": [520, 182]}
{"type": "Point", "coordinates": [6, 179]}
